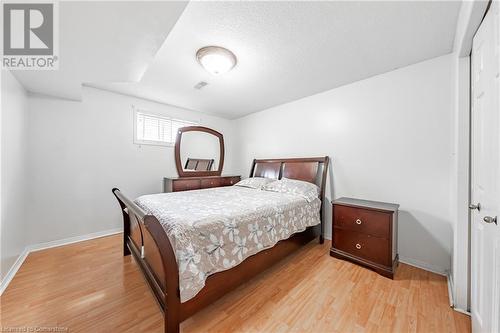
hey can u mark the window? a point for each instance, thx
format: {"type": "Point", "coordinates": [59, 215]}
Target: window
{"type": "Point", "coordinates": [157, 130]}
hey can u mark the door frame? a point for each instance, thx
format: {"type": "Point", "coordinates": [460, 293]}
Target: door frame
{"type": "Point", "coordinates": [472, 16]}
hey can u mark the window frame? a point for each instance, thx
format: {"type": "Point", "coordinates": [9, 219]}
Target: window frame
{"type": "Point", "coordinates": [139, 142]}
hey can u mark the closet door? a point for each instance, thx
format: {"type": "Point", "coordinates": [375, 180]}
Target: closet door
{"type": "Point", "coordinates": [485, 175]}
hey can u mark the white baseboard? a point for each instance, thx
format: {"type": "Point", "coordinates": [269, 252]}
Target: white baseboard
{"type": "Point", "coordinates": [423, 265]}
{"type": "Point", "coordinates": [13, 270]}
{"type": "Point", "coordinates": [76, 239]}
{"type": "Point", "coordinates": [47, 245]}
{"type": "Point", "coordinates": [465, 312]}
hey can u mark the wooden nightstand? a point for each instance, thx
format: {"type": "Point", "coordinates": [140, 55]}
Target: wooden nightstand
{"type": "Point", "coordinates": [366, 232]}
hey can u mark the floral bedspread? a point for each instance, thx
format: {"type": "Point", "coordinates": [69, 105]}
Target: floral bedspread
{"type": "Point", "coordinates": [212, 230]}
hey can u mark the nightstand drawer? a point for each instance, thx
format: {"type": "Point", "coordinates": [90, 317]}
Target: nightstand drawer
{"type": "Point", "coordinates": [186, 185]}
{"type": "Point", "coordinates": [363, 246]}
{"type": "Point", "coordinates": [362, 220]}
{"type": "Point", "coordinates": [210, 182]}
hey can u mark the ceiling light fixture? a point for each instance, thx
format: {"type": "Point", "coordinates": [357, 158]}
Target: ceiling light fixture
{"type": "Point", "coordinates": [215, 59]}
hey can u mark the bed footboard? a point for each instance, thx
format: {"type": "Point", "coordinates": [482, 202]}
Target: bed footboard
{"type": "Point", "coordinates": [167, 292]}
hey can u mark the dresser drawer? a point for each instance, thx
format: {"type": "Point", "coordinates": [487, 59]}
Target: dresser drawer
{"type": "Point", "coordinates": [186, 185]}
{"type": "Point", "coordinates": [361, 220]}
{"type": "Point", "coordinates": [196, 183]}
{"type": "Point", "coordinates": [210, 182]}
{"type": "Point", "coordinates": [228, 181]}
{"type": "Point", "coordinates": [364, 246]}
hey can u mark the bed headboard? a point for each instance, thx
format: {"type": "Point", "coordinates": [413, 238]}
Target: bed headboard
{"type": "Point", "coordinates": [311, 169]}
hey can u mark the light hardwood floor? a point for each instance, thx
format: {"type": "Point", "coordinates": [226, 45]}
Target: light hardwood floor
{"type": "Point", "coordinates": [90, 287]}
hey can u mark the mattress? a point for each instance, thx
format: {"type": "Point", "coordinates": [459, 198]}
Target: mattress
{"type": "Point", "coordinates": [212, 230]}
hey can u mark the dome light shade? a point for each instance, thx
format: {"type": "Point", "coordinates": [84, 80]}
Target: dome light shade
{"type": "Point", "coordinates": [215, 59]}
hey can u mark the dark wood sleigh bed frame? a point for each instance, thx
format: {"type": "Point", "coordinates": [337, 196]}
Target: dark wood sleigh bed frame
{"type": "Point", "coordinates": [146, 240]}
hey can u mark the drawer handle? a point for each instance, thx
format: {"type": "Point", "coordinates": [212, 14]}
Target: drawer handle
{"type": "Point", "coordinates": [358, 221]}
{"type": "Point", "coordinates": [358, 246]}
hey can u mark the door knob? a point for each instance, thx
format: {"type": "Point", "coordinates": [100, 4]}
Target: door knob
{"type": "Point", "coordinates": [490, 219]}
{"type": "Point", "coordinates": [472, 206]}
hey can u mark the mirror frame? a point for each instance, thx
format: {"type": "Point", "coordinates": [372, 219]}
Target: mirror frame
{"type": "Point", "coordinates": [178, 162]}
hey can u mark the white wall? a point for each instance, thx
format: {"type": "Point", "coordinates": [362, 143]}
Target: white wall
{"type": "Point", "coordinates": [390, 138]}
{"type": "Point", "coordinates": [13, 176]}
{"type": "Point", "coordinates": [79, 151]}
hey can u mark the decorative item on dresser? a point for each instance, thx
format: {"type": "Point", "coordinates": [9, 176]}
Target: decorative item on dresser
{"type": "Point", "coordinates": [366, 232]}
{"type": "Point", "coordinates": [196, 183]}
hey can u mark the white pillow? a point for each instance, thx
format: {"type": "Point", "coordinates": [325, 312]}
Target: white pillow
{"type": "Point", "coordinates": [255, 182]}
{"type": "Point", "coordinates": [305, 189]}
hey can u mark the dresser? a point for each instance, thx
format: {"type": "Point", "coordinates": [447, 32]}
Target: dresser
{"type": "Point", "coordinates": [196, 183]}
{"type": "Point", "coordinates": [365, 232]}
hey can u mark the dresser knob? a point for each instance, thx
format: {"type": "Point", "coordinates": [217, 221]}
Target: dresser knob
{"type": "Point", "coordinates": [358, 221]}
{"type": "Point", "coordinates": [358, 246]}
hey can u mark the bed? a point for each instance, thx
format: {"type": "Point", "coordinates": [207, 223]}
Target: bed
{"type": "Point", "coordinates": [179, 249]}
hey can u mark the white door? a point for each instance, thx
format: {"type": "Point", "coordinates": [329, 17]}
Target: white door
{"type": "Point", "coordinates": [485, 175]}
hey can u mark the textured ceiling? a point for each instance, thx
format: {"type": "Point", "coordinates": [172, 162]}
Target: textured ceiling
{"type": "Point", "coordinates": [103, 42]}
{"type": "Point", "coordinates": [285, 50]}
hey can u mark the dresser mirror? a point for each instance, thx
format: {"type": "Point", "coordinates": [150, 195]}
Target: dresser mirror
{"type": "Point", "coordinates": [199, 151]}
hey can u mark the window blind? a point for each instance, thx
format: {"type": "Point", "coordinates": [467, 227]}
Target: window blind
{"type": "Point", "coordinates": [155, 129]}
